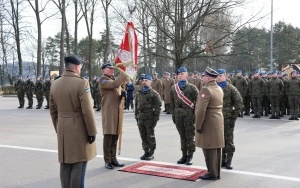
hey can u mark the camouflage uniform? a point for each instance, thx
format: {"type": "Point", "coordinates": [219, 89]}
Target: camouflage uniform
{"type": "Point", "coordinates": [39, 91]}
{"type": "Point", "coordinates": [266, 101]}
{"type": "Point", "coordinates": [293, 92]}
{"type": "Point", "coordinates": [19, 87]}
{"type": "Point", "coordinates": [241, 85]}
{"type": "Point", "coordinates": [247, 99]}
{"type": "Point", "coordinates": [147, 112]}
{"type": "Point", "coordinates": [232, 107]}
{"type": "Point", "coordinates": [184, 118]}
{"type": "Point", "coordinates": [256, 89]}
{"type": "Point", "coordinates": [28, 88]}
{"type": "Point", "coordinates": [283, 99]}
{"type": "Point", "coordinates": [275, 92]}
{"type": "Point", "coordinates": [47, 85]}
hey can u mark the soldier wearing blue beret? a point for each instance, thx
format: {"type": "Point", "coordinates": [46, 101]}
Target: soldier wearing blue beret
{"type": "Point", "coordinates": [275, 91]}
{"type": "Point", "coordinates": [183, 99]}
{"type": "Point", "coordinates": [256, 90]}
{"type": "Point", "coordinates": [147, 112]}
{"type": "Point", "coordinates": [232, 108]}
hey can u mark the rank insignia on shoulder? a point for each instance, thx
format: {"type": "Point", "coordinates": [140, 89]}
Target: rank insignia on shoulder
{"type": "Point", "coordinates": [104, 81]}
{"type": "Point", "coordinates": [87, 89]}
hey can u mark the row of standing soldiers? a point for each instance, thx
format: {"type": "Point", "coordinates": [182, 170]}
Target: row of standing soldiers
{"type": "Point", "coordinates": [40, 88]}
{"type": "Point", "coordinates": [273, 93]}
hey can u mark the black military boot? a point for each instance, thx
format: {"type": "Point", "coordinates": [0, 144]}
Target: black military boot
{"type": "Point", "coordinates": [292, 118]}
{"type": "Point", "coordinates": [296, 118]}
{"type": "Point", "coordinates": [29, 107]}
{"type": "Point", "coordinates": [182, 160]}
{"type": "Point", "coordinates": [228, 163]}
{"type": "Point", "coordinates": [277, 117]}
{"type": "Point", "coordinates": [189, 160]}
{"type": "Point", "coordinates": [150, 156]}
{"type": "Point", "coordinates": [255, 116]}
{"type": "Point", "coordinates": [20, 107]}
{"type": "Point", "coordinates": [272, 117]}
{"type": "Point", "coordinates": [145, 155]}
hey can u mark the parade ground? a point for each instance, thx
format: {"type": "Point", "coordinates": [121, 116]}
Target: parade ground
{"type": "Point", "coordinates": [267, 153]}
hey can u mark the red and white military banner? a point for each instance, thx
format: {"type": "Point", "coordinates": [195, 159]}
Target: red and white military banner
{"type": "Point", "coordinates": [126, 59]}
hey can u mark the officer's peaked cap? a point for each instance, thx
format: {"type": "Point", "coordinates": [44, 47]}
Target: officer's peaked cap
{"type": "Point", "coordinates": [210, 72]}
{"type": "Point", "coordinates": [107, 65]}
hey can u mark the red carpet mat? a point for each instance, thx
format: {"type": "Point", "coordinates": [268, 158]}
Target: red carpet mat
{"type": "Point", "coordinates": [163, 170]}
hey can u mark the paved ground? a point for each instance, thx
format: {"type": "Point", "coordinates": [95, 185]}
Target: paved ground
{"type": "Point", "coordinates": [267, 154]}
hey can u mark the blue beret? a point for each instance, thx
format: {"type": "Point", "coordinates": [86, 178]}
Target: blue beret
{"type": "Point", "coordinates": [274, 72]}
{"type": "Point", "coordinates": [279, 72]}
{"type": "Point", "coordinates": [255, 72]}
{"type": "Point", "coordinates": [221, 71]}
{"type": "Point", "coordinates": [285, 74]}
{"type": "Point", "coordinates": [107, 65]}
{"type": "Point", "coordinates": [73, 59]}
{"type": "Point", "coordinates": [210, 72]}
{"type": "Point", "coordinates": [147, 77]}
{"type": "Point", "coordinates": [239, 71]}
{"type": "Point", "coordinates": [246, 74]}
{"type": "Point", "coordinates": [181, 69]}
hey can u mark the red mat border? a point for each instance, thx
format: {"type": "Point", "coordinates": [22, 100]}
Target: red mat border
{"type": "Point", "coordinates": [134, 169]}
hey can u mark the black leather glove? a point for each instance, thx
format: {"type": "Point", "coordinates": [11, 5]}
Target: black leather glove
{"type": "Point", "coordinates": [91, 139]}
{"type": "Point", "coordinates": [123, 94]}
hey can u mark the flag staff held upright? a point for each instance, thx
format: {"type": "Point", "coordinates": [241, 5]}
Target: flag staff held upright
{"type": "Point", "coordinates": [126, 63]}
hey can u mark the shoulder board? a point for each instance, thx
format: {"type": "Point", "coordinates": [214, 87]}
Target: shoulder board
{"type": "Point", "coordinates": [57, 77]}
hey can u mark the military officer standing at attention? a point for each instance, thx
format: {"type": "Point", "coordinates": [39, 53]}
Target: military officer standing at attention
{"type": "Point", "coordinates": [210, 124]}
{"type": "Point", "coordinates": [47, 85]}
{"type": "Point", "coordinates": [256, 89]}
{"type": "Point", "coordinates": [247, 98]}
{"type": "Point", "coordinates": [157, 84]}
{"type": "Point", "coordinates": [183, 98]}
{"type": "Point", "coordinates": [275, 93]}
{"type": "Point", "coordinates": [167, 84]}
{"type": "Point", "coordinates": [147, 112]}
{"type": "Point", "coordinates": [71, 110]}
{"type": "Point", "coordinates": [241, 85]}
{"type": "Point", "coordinates": [110, 91]}
{"type": "Point", "coordinates": [232, 107]}
{"type": "Point", "coordinates": [39, 92]}
{"type": "Point", "coordinates": [28, 88]}
{"type": "Point", "coordinates": [19, 87]}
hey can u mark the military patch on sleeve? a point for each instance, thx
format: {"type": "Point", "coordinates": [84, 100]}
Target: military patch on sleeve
{"type": "Point", "coordinates": [104, 81]}
{"type": "Point", "coordinates": [87, 89]}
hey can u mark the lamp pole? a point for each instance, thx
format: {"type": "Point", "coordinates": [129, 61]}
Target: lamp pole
{"type": "Point", "coordinates": [271, 40]}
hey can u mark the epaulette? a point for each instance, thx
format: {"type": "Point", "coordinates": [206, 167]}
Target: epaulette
{"type": "Point", "coordinates": [57, 77]}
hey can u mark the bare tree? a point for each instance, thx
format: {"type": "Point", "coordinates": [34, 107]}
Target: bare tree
{"type": "Point", "coordinates": [78, 17]}
{"type": "Point", "coordinates": [61, 5]}
{"type": "Point", "coordinates": [38, 7]}
{"type": "Point", "coordinates": [88, 9]}
{"type": "Point", "coordinates": [105, 4]}
{"type": "Point", "coordinates": [14, 20]}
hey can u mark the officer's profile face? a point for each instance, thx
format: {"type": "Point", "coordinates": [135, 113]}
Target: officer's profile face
{"type": "Point", "coordinates": [221, 78]}
{"type": "Point", "coordinates": [109, 71]}
{"type": "Point", "coordinates": [182, 76]}
{"type": "Point", "coordinates": [146, 82]}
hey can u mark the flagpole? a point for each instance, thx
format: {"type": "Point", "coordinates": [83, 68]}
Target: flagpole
{"type": "Point", "coordinates": [121, 115]}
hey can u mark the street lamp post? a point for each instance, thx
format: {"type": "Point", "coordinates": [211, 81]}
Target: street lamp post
{"type": "Point", "coordinates": [271, 40]}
